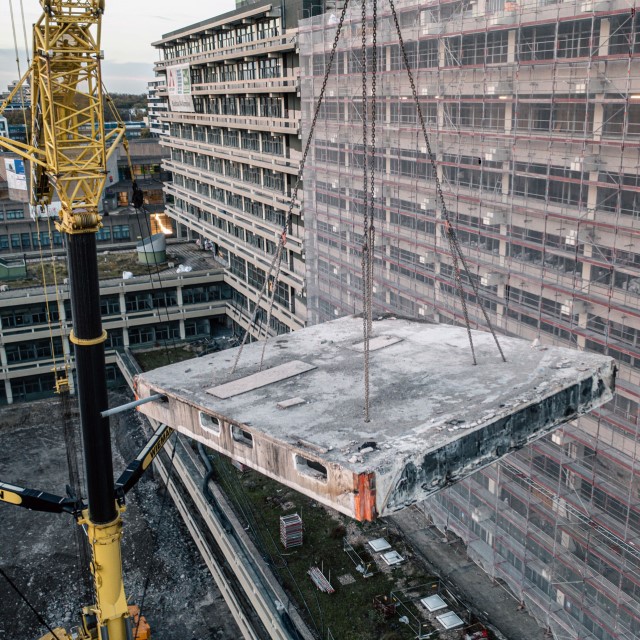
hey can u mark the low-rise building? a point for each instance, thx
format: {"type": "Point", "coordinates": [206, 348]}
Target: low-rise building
{"type": "Point", "coordinates": [149, 310]}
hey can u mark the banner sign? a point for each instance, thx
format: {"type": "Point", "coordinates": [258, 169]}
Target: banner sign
{"type": "Point", "coordinates": [51, 210]}
{"type": "Point", "coordinates": [179, 88]}
{"type": "Point", "coordinates": [16, 176]}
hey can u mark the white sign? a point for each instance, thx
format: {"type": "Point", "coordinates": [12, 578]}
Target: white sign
{"type": "Point", "coordinates": [179, 88]}
{"type": "Point", "coordinates": [16, 176]}
{"type": "Point", "coordinates": [50, 210]}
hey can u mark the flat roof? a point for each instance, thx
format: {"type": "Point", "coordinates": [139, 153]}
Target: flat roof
{"type": "Point", "coordinates": [246, 10]}
{"type": "Point", "coordinates": [434, 416]}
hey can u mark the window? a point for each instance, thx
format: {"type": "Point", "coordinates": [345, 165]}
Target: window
{"type": "Point", "coordinates": [273, 145]}
{"type": "Point", "coordinates": [244, 34]}
{"type": "Point", "coordinates": [310, 468]}
{"type": "Point", "coordinates": [268, 29]}
{"type": "Point", "coordinates": [248, 107]}
{"type": "Point", "coordinates": [138, 301]}
{"type": "Point", "coordinates": [242, 436]}
{"type": "Point", "coordinates": [15, 214]}
{"type": "Point", "coordinates": [121, 232]}
{"type": "Point", "coordinates": [104, 234]}
{"type": "Point", "coordinates": [271, 107]}
{"type": "Point", "coordinates": [161, 223]}
{"type": "Point", "coordinates": [114, 338]}
{"type": "Point", "coordinates": [247, 71]}
{"type": "Point", "coordinates": [109, 305]}
{"type": "Point", "coordinates": [209, 423]}
{"type": "Point", "coordinates": [270, 68]}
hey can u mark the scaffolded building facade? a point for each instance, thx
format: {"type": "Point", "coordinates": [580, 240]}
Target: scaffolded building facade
{"type": "Point", "coordinates": [533, 109]}
{"type": "Point", "coordinates": [233, 122]}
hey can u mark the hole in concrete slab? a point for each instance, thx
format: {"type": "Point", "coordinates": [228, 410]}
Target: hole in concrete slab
{"type": "Point", "coordinates": [209, 423]}
{"type": "Point", "coordinates": [310, 468]}
{"type": "Point", "coordinates": [241, 436]}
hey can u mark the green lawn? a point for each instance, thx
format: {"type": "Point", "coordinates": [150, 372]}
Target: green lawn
{"type": "Point", "coordinates": [155, 358]}
{"type": "Point", "coordinates": [110, 265]}
{"type": "Point", "coordinates": [348, 612]}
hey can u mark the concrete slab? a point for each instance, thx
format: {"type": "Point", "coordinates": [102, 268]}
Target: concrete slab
{"type": "Point", "coordinates": [379, 544]}
{"type": "Point", "coordinates": [450, 620]}
{"type": "Point", "coordinates": [434, 603]}
{"type": "Point", "coordinates": [435, 418]}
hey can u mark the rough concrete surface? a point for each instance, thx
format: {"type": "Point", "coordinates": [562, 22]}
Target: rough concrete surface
{"type": "Point", "coordinates": [39, 551]}
{"type": "Point", "coordinates": [435, 418]}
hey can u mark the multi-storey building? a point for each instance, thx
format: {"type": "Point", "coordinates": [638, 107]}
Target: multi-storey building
{"type": "Point", "coordinates": [232, 85]}
{"type": "Point", "coordinates": [156, 107]}
{"type": "Point", "coordinates": [533, 109]}
{"type": "Point", "coordinates": [149, 310]}
{"type": "Point", "coordinates": [27, 231]}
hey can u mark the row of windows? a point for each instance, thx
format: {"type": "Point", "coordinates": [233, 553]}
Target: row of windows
{"type": "Point", "coordinates": [262, 29]}
{"type": "Point", "coordinates": [249, 140]}
{"type": "Point", "coordinates": [542, 116]}
{"type": "Point", "coordinates": [232, 71]}
{"type": "Point", "coordinates": [18, 242]}
{"type": "Point", "coordinates": [560, 40]}
{"type": "Point", "coordinates": [12, 214]}
{"type": "Point", "coordinates": [34, 315]}
{"type": "Point", "coordinates": [27, 241]}
{"type": "Point", "coordinates": [529, 180]}
{"type": "Point", "coordinates": [267, 178]}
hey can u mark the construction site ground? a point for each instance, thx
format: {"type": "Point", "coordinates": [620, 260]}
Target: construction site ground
{"type": "Point", "coordinates": [38, 551]}
{"type": "Point", "coordinates": [447, 557]}
{"type": "Point", "coordinates": [429, 566]}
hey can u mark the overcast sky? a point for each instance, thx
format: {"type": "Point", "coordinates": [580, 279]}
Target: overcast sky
{"type": "Point", "coordinates": [128, 29]}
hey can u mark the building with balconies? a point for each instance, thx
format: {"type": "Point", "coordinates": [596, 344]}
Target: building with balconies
{"type": "Point", "coordinates": [156, 107]}
{"type": "Point", "coordinates": [153, 309]}
{"type": "Point", "coordinates": [234, 141]}
{"type": "Point", "coordinates": [27, 231]}
{"type": "Point", "coordinates": [533, 110]}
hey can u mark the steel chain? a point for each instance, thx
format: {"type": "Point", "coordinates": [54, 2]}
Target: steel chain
{"type": "Point", "coordinates": [294, 196]}
{"type": "Point", "coordinates": [453, 239]}
{"type": "Point", "coordinates": [372, 160]}
{"type": "Point", "coordinates": [366, 258]}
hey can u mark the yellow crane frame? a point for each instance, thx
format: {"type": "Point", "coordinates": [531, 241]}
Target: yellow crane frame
{"type": "Point", "coordinates": [68, 153]}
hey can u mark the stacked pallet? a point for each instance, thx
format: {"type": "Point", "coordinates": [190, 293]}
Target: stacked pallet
{"type": "Point", "coordinates": [318, 578]}
{"type": "Point", "coordinates": [291, 531]}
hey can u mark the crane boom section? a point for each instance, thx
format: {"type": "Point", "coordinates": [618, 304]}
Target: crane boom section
{"type": "Point", "coordinates": [67, 113]}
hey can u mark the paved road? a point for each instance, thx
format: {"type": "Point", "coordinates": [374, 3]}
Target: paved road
{"type": "Point", "coordinates": [475, 587]}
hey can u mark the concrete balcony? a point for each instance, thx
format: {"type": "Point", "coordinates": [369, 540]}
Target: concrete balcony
{"type": "Point", "coordinates": [244, 87]}
{"type": "Point", "coordinates": [257, 48]}
{"type": "Point", "coordinates": [274, 125]}
{"type": "Point", "coordinates": [289, 163]}
{"type": "Point", "coordinates": [261, 194]}
{"type": "Point", "coordinates": [238, 246]}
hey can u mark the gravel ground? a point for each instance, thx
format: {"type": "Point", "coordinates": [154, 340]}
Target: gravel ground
{"type": "Point", "coordinates": [39, 551]}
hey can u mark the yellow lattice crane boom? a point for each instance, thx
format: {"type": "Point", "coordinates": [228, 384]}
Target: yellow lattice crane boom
{"type": "Point", "coordinates": [68, 153]}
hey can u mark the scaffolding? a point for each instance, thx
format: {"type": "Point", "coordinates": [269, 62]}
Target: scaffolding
{"type": "Point", "coordinates": [534, 113]}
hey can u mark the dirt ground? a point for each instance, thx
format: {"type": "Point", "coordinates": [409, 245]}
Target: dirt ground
{"type": "Point", "coordinates": [39, 551]}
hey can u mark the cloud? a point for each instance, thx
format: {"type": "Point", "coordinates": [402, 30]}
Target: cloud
{"type": "Point", "coordinates": [118, 77]}
{"type": "Point", "coordinates": [126, 77]}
